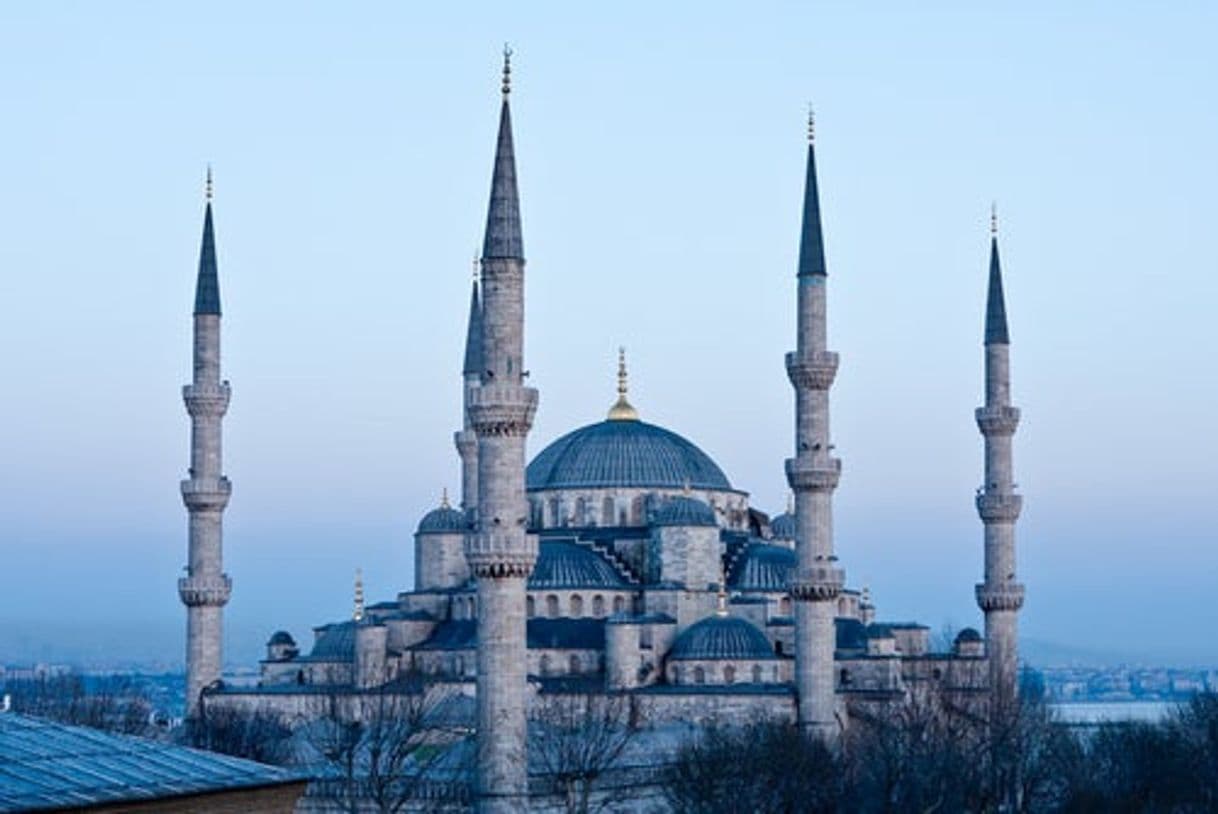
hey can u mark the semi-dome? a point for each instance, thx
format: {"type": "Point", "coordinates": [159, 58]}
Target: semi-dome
{"type": "Point", "coordinates": [762, 567]}
{"type": "Point", "coordinates": [783, 526]}
{"type": "Point", "coordinates": [567, 564]}
{"type": "Point", "coordinates": [444, 520]}
{"type": "Point", "coordinates": [684, 511]}
{"type": "Point", "coordinates": [281, 637]}
{"type": "Point", "coordinates": [721, 637]}
{"type": "Point", "coordinates": [969, 634]}
{"type": "Point", "coordinates": [623, 453]}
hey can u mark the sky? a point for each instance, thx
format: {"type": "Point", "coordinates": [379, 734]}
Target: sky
{"type": "Point", "coordinates": [660, 149]}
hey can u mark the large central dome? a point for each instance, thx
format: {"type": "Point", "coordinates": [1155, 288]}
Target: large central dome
{"type": "Point", "coordinates": [623, 453]}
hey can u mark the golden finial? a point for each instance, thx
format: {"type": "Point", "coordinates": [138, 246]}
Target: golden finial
{"type": "Point", "coordinates": [721, 607]}
{"type": "Point", "coordinates": [993, 218]}
{"type": "Point", "coordinates": [208, 189]}
{"type": "Point", "coordinates": [444, 498]}
{"type": "Point", "coordinates": [358, 614]}
{"type": "Point", "coordinates": [622, 411]}
{"type": "Point", "coordinates": [811, 124]}
{"type": "Point", "coordinates": [507, 69]}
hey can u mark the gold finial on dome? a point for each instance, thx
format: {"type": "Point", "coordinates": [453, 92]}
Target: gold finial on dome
{"type": "Point", "coordinates": [721, 607]}
{"type": "Point", "coordinates": [358, 614]}
{"type": "Point", "coordinates": [444, 498]}
{"type": "Point", "coordinates": [622, 410]}
{"type": "Point", "coordinates": [507, 70]}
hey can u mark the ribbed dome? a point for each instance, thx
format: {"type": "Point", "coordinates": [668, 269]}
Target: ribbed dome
{"type": "Point", "coordinates": [623, 453]}
{"type": "Point", "coordinates": [444, 520]}
{"type": "Point", "coordinates": [783, 526]}
{"type": "Point", "coordinates": [968, 635]}
{"type": "Point", "coordinates": [564, 564]}
{"type": "Point", "coordinates": [282, 637]}
{"type": "Point", "coordinates": [763, 568]}
{"type": "Point", "coordinates": [721, 637]}
{"type": "Point", "coordinates": [684, 511]}
{"type": "Point", "coordinates": [335, 642]}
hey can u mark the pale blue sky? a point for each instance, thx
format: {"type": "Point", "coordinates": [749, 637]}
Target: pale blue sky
{"type": "Point", "coordinates": [660, 150]}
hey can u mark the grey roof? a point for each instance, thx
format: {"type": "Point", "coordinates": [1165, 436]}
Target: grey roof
{"type": "Point", "coordinates": [879, 631]}
{"type": "Point", "coordinates": [851, 634]}
{"type": "Point", "coordinates": [560, 634]}
{"type": "Point", "coordinates": [503, 232]}
{"type": "Point", "coordinates": [623, 453]}
{"type": "Point", "coordinates": [969, 634]}
{"type": "Point", "coordinates": [443, 520]}
{"type": "Point", "coordinates": [684, 511]}
{"type": "Point", "coordinates": [281, 637]}
{"type": "Point", "coordinates": [762, 567]}
{"type": "Point", "coordinates": [721, 637]}
{"type": "Point", "coordinates": [811, 243]}
{"type": "Point", "coordinates": [783, 526]}
{"type": "Point", "coordinates": [995, 305]}
{"type": "Point", "coordinates": [46, 765]}
{"type": "Point", "coordinates": [207, 288]}
{"type": "Point", "coordinates": [473, 334]}
{"type": "Point", "coordinates": [568, 564]}
{"type": "Point", "coordinates": [335, 642]}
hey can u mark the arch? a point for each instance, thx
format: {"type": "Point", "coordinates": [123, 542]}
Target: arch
{"type": "Point", "coordinates": [577, 605]}
{"type": "Point", "coordinates": [784, 606]}
{"type": "Point", "coordinates": [598, 606]}
{"type": "Point", "coordinates": [530, 607]}
{"type": "Point", "coordinates": [573, 666]}
{"type": "Point", "coordinates": [552, 606]}
{"type": "Point", "coordinates": [607, 512]}
{"type": "Point", "coordinates": [637, 511]}
{"type": "Point", "coordinates": [543, 665]}
{"type": "Point", "coordinates": [581, 511]}
{"type": "Point", "coordinates": [843, 606]}
{"type": "Point", "coordinates": [729, 674]}
{"type": "Point", "coordinates": [699, 675]}
{"type": "Point", "coordinates": [844, 678]}
{"type": "Point", "coordinates": [619, 604]}
{"type": "Point", "coordinates": [555, 508]}
{"type": "Point", "coordinates": [756, 673]}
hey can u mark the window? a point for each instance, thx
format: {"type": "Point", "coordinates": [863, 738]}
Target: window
{"type": "Point", "coordinates": [544, 665]}
{"type": "Point", "coordinates": [577, 605]}
{"type": "Point", "coordinates": [555, 519]}
{"type": "Point", "coordinates": [552, 606]}
{"type": "Point", "coordinates": [729, 674]}
{"type": "Point", "coordinates": [529, 607]}
{"type": "Point", "coordinates": [619, 604]}
{"type": "Point", "coordinates": [784, 606]}
{"type": "Point", "coordinates": [573, 664]}
{"type": "Point", "coordinates": [598, 606]}
{"type": "Point", "coordinates": [844, 680]}
{"type": "Point", "coordinates": [756, 673]}
{"type": "Point", "coordinates": [699, 675]}
{"type": "Point", "coordinates": [607, 512]}
{"type": "Point", "coordinates": [581, 512]}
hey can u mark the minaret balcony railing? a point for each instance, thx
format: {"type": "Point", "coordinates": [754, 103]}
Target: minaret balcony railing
{"type": "Point", "coordinates": [501, 553]}
{"type": "Point", "coordinates": [999, 507]}
{"type": "Point", "coordinates": [502, 409]}
{"type": "Point", "coordinates": [203, 494]}
{"type": "Point", "coordinates": [997, 420]}
{"type": "Point", "coordinates": [1007, 596]}
{"type": "Point", "coordinates": [818, 583]}
{"type": "Point", "coordinates": [212, 591]}
{"type": "Point", "coordinates": [207, 399]}
{"type": "Point", "coordinates": [813, 474]}
{"type": "Point", "coordinates": [813, 370]}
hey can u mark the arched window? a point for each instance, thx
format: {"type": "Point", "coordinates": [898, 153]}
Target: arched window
{"type": "Point", "coordinates": [619, 604]}
{"type": "Point", "coordinates": [607, 512]}
{"type": "Point", "coordinates": [729, 674]}
{"type": "Point", "coordinates": [699, 675]}
{"type": "Point", "coordinates": [756, 673]}
{"type": "Point", "coordinates": [573, 664]}
{"type": "Point", "coordinates": [544, 665]}
{"type": "Point", "coordinates": [598, 606]}
{"type": "Point", "coordinates": [843, 606]}
{"type": "Point", "coordinates": [555, 517]}
{"type": "Point", "coordinates": [581, 512]}
{"type": "Point", "coordinates": [577, 605]}
{"type": "Point", "coordinates": [784, 606]}
{"type": "Point", "coordinates": [844, 679]}
{"type": "Point", "coordinates": [674, 674]}
{"type": "Point", "coordinates": [529, 607]}
{"type": "Point", "coordinates": [636, 511]}
{"type": "Point", "coordinates": [552, 606]}
{"type": "Point", "coordinates": [778, 648]}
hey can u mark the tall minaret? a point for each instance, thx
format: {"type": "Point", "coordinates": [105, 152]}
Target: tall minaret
{"type": "Point", "coordinates": [813, 474]}
{"type": "Point", "coordinates": [500, 553]}
{"type": "Point", "coordinates": [1000, 596]}
{"type": "Point", "coordinates": [465, 438]}
{"type": "Point", "coordinates": [206, 588]}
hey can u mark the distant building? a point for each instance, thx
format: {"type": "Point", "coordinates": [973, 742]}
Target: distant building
{"type": "Point", "coordinates": [46, 766]}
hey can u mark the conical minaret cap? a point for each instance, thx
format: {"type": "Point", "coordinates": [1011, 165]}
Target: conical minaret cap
{"type": "Point", "coordinates": [811, 241]}
{"type": "Point", "coordinates": [503, 231]}
{"type": "Point", "coordinates": [995, 305]}
{"type": "Point", "coordinates": [473, 334]}
{"type": "Point", "coordinates": [207, 288]}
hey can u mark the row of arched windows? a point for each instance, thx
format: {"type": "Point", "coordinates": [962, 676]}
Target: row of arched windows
{"type": "Point", "coordinates": [553, 606]}
{"type": "Point", "coordinates": [699, 674]}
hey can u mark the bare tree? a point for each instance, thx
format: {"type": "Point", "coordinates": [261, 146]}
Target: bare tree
{"type": "Point", "coordinates": [110, 703]}
{"type": "Point", "coordinates": [577, 739]}
{"type": "Point", "coordinates": [260, 735]}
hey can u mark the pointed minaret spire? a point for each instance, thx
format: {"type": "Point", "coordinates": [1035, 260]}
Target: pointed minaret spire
{"type": "Point", "coordinates": [811, 244]}
{"type": "Point", "coordinates": [473, 332]}
{"type": "Point", "coordinates": [503, 231]}
{"type": "Point", "coordinates": [995, 305]}
{"type": "Point", "coordinates": [207, 288]}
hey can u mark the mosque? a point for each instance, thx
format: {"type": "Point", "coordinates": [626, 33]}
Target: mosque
{"type": "Point", "coordinates": [622, 558]}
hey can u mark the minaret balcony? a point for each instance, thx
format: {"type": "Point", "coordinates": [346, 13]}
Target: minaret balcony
{"type": "Point", "coordinates": [210, 592]}
{"type": "Point", "coordinates": [502, 409]}
{"type": "Point", "coordinates": [813, 474]}
{"type": "Point", "coordinates": [1002, 597]}
{"type": "Point", "coordinates": [997, 420]}
{"type": "Point", "coordinates": [497, 553]}
{"type": "Point", "coordinates": [999, 507]}
{"type": "Point", "coordinates": [818, 583]}
{"type": "Point", "coordinates": [814, 370]}
{"type": "Point", "coordinates": [206, 494]}
{"type": "Point", "coordinates": [207, 399]}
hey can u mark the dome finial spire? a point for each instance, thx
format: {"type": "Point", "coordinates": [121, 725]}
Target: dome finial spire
{"type": "Point", "coordinates": [721, 601]}
{"type": "Point", "coordinates": [622, 410]}
{"type": "Point", "coordinates": [444, 498]}
{"type": "Point", "coordinates": [208, 187]}
{"type": "Point", "coordinates": [358, 613]}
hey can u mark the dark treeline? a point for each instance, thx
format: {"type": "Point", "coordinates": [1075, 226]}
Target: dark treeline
{"type": "Point", "coordinates": [111, 703]}
{"type": "Point", "coordinates": [928, 756]}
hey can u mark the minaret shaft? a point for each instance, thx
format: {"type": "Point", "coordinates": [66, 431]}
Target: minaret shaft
{"type": "Point", "coordinates": [813, 475]}
{"type": "Point", "coordinates": [206, 588]}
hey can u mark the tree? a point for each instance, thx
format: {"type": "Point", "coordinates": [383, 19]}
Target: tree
{"type": "Point", "coordinates": [260, 735]}
{"type": "Point", "coordinates": [111, 703]}
{"type": "Point", "coordinates": [575, 740]}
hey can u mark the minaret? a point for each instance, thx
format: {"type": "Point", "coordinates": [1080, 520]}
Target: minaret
{"type": "Point", "coordinates": [500, 553]}
{"type": "Point", "coordinates": [1000, 596]}
{"type": "Point", "coordinates": [813, 475]}
{"type": "Point", "coordinates": [465, 439]}
{"type": "Point", "coordinates": [206, 588]}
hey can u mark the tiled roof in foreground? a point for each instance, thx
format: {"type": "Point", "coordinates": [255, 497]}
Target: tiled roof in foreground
{"type": "Point", "coordinates": [45, 765]}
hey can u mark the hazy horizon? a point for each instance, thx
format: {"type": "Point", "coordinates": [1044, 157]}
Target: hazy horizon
{"type": "Point", "coordinates": [661, 162]}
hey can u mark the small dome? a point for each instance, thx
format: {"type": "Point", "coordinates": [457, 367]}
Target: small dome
{"type": "Point", "coordinates": [281, 637]}
{"type": "Point", "coordinates": [335, 642]}
{"type": "Point", "coordinates": [444, 520]}
{"type": "Point", "coordinates": [764, 568]}
{"type": "Point", "coordinates": [623, 453]}
{"type": "Point", "coordinates": [684, 511]}
{"type": "Point", "coordinates": [567, 564]}
{"type": "Point", "coordinates": [783, 526]}
{"type": "Point", "coordinates": [721, 637]}
{"type": "Point", "coordinates": [969, 634]}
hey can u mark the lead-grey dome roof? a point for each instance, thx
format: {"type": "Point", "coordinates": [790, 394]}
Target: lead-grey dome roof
{"type": "Point", "coordinates": [762, 567]}
{"type": "Point", "coordinates": [684, 511]}
{"type": "Point", "coordinates": [623, 453]}
{"type": "Point", "coordinates": [783, 526]}
{"type": "Point", "coordinates": [444, 520]}
{"type": "Point", "coordinates": [721, 637]}
{"type": "Point", "coordinates": [567, 564]}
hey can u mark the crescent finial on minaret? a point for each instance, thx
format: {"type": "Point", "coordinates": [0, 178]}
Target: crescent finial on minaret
{"type": "Point", "coordinates": [811, 124]}
{"type": "Point", "coordinates": [507, 69]}
{"type": "Point", "coordinates": [358, 614]}
{"type": "Point", "coordinates": [208, 187]}
{"type": "Point", "coordinates": [994, 218]}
